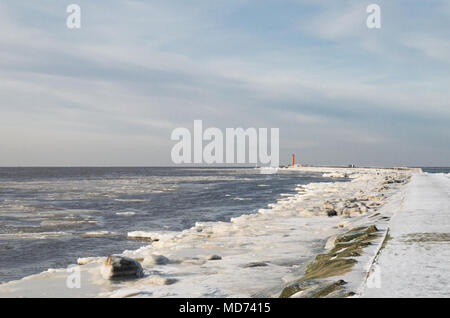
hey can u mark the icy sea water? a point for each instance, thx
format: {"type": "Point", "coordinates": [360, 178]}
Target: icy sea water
{"type": "Point", "coordinates": [436, 169]}
{"type": "Point", "coordinates": [48, 215]}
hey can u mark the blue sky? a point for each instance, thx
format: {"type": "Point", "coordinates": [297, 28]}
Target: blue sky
{"type": "Point", "coordinates": [111, 92]}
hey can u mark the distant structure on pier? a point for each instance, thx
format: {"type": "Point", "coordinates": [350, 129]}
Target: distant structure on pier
{"type": "Point", "coordinates": [293, 160]}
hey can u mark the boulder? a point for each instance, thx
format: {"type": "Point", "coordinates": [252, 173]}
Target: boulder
{"type": "Point", "coordinates": [255, 264]}
{"type": "Point", "coordinates": [155, 259]}
{"type": "Point", "coordinates": [117, 266]}
{"type": "Point", "coordinates": [158, 280]}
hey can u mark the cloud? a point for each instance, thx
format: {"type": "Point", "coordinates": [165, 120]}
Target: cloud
{"type": "Point", "coordinates": [429, 46]}
{"type": "Point", "coordinates": [141, 69]}
{"type": "Point", "coordinates": [339, 20]}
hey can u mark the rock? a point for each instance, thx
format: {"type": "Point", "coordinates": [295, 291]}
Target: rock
{"type": "Point", "coordinates": [332, 212]}
{"type": "Point", "coordinates": [214, 257]}
{"type": "Point", "coordinates": [117, 266]}
{"type": "Point", "coordinates": [159, 280]}
{"type": "Point", "coordinates": [155, 259]}
{"type": "Point", "coordinates": [255, 264]}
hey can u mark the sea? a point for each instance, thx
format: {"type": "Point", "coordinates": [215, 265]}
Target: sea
{"type": "Point", "coordinates": [51, 216]}
{"type": "Point", "coordinates": [436, 169]}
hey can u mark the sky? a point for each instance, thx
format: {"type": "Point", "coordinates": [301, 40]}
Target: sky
{"type": "Point", "coordinates": [111, 92]}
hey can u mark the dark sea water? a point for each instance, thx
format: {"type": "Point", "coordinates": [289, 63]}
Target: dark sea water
{"type": "Point", "coordinates": [436, 169]}
{"type": "Point", "coordinates": [46, 212]}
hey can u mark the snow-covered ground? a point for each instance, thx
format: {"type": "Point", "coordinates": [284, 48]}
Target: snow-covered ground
{"type": "Point", "coordinates": [416, 260]}
{"type": "Point", "coordinates": [252, 255]}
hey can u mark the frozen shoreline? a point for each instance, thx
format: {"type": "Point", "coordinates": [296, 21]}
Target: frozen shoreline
{"type": "Point", "coordinates": [258, 254]}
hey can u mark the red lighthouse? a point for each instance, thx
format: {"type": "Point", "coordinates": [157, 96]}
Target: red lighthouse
{"type": "Point", "coordinates": [293, 159]}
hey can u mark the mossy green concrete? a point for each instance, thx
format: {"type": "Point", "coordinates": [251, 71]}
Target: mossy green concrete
{"type": "Point", "coordinates": [360, 233]}
{"type": "Point", "coordinates": [336, 262]}
{"type": "Point", "coordinates": [328, 268]}
{"type": "Point", "coordinates": [325, 291]}
{"type": "Point", "coordinates": [290, 290]}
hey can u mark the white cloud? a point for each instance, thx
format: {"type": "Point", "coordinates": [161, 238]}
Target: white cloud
{"type": "Point", "coordinates": [143, 75]}
{"type": "Point", "coordinates": [430, 46]}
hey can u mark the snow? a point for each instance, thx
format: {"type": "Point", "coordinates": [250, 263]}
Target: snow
{"type": "Point", "coordinates": [126, 213]}
{"type": "Point", "coordinates": [257, 254]}
{"type": "Point", "coordinates": [155, 236]}
{"type": "Point", "coordinates": [140, 234]}
{"type": "Point", "coordinates": [416, 261]}
{"type": "Point", "coordinates": [87, 260]}
{"type": "Point", "coordinates": [99, 233]}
